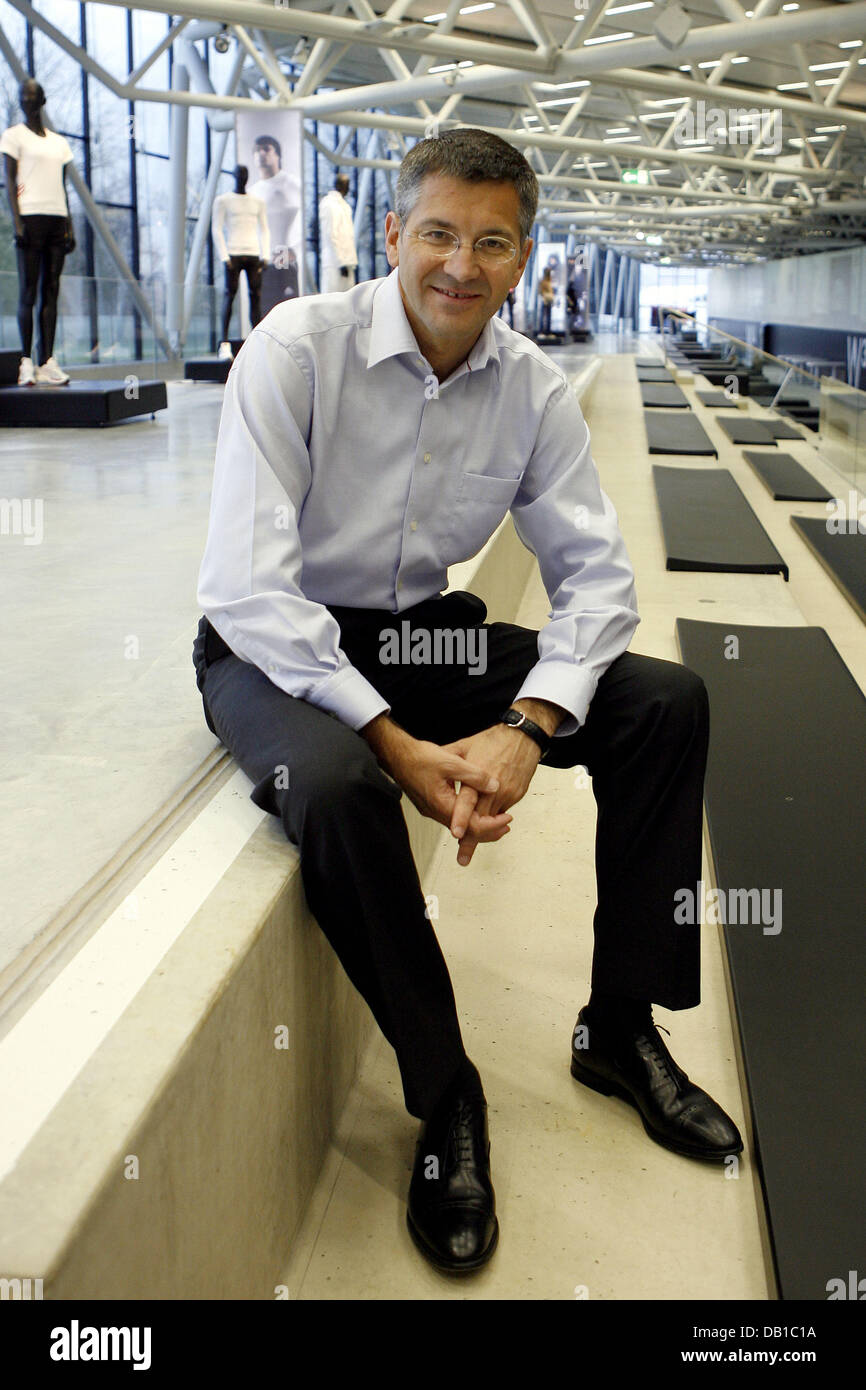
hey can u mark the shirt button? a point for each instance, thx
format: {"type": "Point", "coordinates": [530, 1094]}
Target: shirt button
{"type": "Point", "coordinates": [427, 458]}
{"type": "Point", "coordinates": [399, 584]}
{"type": "Point", "coordinates": [413, 526]}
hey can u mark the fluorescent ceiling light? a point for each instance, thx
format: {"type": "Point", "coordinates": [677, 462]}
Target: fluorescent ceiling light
{"type": "Point", "coordinates": [852, 43]}
{"type": "Point", "coordinates": [610, 38]}
{"type": "Point", "coordinates": [661, 116]}
{"type": "Point", "coordinates": [826, 81]}
{"type": "Point", "coordinates": [825, 67]}
{"type": "Point", "coordinates": [558, 101]}
{"type": "Point", "coordinates": [448, 67]}
{"type": "Point", "coordinates": [790, 7]}
{"type": "Point", "coordinates": [792, 86]}
{"type": "Point", "coordinates": [715, 63]}
{"type": "Point", "coordinates": [685, 67]}
{"type": "Point", "coordinates": [831, 128]}
{"type": "Point", "coordinates": [559, 86]}
{"type": "Point", "coordinates": [620, 139]}
{"type": "Point", "coordinates": [741, 60]}
{"type": "Point", "coordinates": [626, 9]}
{"type": "Point", "coordinates": [618, 130]}
{"type": "Point", "coordinates": [468, 9]}
{"type": "Point", "coordinates": [670, 101]}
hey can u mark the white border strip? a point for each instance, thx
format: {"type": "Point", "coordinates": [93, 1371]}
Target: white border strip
{"type": "Point", "coordinates": [52, 1042]}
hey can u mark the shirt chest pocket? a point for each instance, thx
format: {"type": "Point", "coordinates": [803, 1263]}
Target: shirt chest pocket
{"type": "Point", "coordinates": [479, 506]}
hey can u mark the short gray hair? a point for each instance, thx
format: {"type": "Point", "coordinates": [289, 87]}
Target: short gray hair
{"type": "Point", "coordinates": [478, 156]}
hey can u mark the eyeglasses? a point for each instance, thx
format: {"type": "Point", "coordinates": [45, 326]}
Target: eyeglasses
{"type": "Point", "coordinates": [489, 250]}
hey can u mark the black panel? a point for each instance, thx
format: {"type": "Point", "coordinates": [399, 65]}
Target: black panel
{"type": "Point", "coordinates": [785, 478]}
{"type": "Point", "coordinates": [787, 766]}
{"type": "Point", "coordinates": [708, 524]}
{"type": "Point", "coordinates": [664, 395]}
{"type": "Point", "coordinates": [843, 557]}
{"type": "Point", "coordinates": [659, 375]}
{"type": "Point", "coordinates": [680, 433]}
{"type": "Point", "coordinates": [745, 429]}
{"type": "Point", "coordinates": [717, 399]}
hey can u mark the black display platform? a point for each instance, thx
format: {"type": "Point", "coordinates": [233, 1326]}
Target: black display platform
{"type": "Point", "coordinates": [787, 769]}
{"type": "Point", "coordinates": [667, 394]}
{"type": "Point", "coordinates": [843, 557]}
{"type": "Point", "coordinates": [746, 430]}
{"type": "Point", "coordinates": [207, 369]}
{"type": "Point", "coordinates": [680, 433]}
{"type": "Point", "coordinates": [709, 526]}
{"type": "Point", "coordinates": [658, 376]}
{"type": "Point", "coordinates": [9, 364]}
{"type": "Point", "coordinates": [640, 362]}
{"type": "Point", "coordinates": [717, 399]}
{"type": "Point", "coordinates": [93, 402]}
{"type": "Point", "coordinates": [211, 368]}
{"type": "Point", "coordinates": [785, 478]}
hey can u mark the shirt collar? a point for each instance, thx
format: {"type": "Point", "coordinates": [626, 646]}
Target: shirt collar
{"type": "Point", "coordinates": [391, 333]}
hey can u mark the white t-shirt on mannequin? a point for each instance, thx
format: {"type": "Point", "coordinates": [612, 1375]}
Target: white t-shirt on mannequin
{"type": "Point", "coordinates": [240, 226]}
{"type": "Point", "coordinates": [40, 169]}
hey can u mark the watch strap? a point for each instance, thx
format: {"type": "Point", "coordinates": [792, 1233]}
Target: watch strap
{"type": "Point", "coordinates": [516, 719]}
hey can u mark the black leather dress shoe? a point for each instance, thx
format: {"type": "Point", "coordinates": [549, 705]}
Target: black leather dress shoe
{"type": "Point", "coordinates": [639, 1069]}
{"type": "Point", "coordinates": [452, 1205]}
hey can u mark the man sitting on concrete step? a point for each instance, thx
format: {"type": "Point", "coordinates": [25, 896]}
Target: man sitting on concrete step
{"type": "Point", "coordinates": [369, 440]}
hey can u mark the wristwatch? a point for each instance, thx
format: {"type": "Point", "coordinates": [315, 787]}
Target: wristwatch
{"type": "Point", "coordinates": [516, 719]}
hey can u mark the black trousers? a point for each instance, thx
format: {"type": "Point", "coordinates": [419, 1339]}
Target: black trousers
{"type": "Point", "coordinates": [644, 744]}
{"type": "Point", "coordinates": [40, 263]}
{"type": "Point", "coordinates": [252, 268]}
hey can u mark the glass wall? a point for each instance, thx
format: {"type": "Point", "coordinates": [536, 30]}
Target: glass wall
{"type": "Point", "coordinates": [681, 286]}
{"type": "Point", "coordinates": [121, 151]}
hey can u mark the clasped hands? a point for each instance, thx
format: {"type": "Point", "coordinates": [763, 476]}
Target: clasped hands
{"type": "Point", "coordinates": [467, 785]}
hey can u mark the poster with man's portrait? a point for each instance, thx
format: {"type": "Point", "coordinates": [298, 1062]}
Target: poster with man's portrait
{"type": "Point", "coordinates": [271, 147]}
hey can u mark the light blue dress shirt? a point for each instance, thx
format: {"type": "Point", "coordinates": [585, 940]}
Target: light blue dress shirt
{"type": "Point", "coordinates": [346, 474]}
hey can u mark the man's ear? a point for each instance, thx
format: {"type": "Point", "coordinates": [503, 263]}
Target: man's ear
{"type": "Point", "coordinates": [392, 232]}
{"type": "Point", "coordinates": [522, 263]}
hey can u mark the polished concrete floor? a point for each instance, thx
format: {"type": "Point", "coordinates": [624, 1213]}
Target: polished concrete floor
{"type": "Point", "coordinates": [102, 720]}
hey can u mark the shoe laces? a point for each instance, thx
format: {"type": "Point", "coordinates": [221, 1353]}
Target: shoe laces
{"type": "Point", "coordinates": [462, 1137]}
{"type": "Point", "coordinates": [662, 1057]}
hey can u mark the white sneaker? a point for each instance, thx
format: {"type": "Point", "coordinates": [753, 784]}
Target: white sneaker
{"type": "Point", "coordinates": [26, 372]}
{"type": "Point", "coordinates": [225, 352]}
{"type": "Point", "coordinates": [49, 374]}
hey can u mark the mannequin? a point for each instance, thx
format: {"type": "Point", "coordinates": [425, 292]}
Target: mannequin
{"type": "Point", "coordinates": [337, 239]}
{"type": "Point", "coordinates": [36, 161]}
{"type": "Point", "coordinates": [240, 230]}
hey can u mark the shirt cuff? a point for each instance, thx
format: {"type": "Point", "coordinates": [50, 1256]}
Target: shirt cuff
{"type": "Point", "coordinates": [350, 696]}
{"type": "Point", "coordinates": [561, 683]}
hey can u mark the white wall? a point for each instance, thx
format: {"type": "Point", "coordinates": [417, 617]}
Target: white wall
{"type": "Point", "coordinates": [822, 291]}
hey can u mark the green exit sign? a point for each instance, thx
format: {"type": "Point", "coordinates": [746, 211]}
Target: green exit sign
{"type": "Point", "coordinates": [635, 176]}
